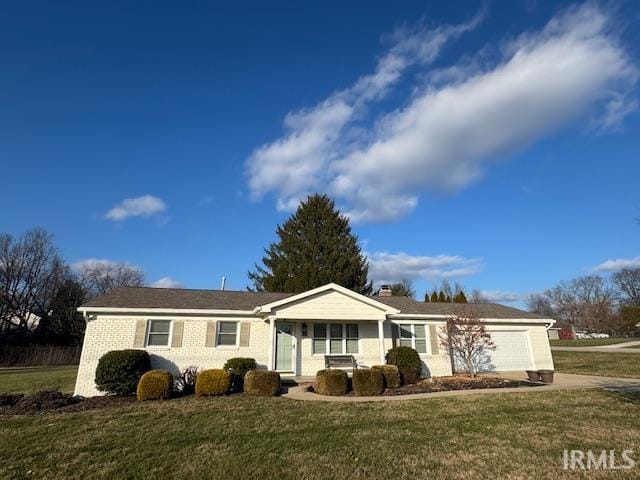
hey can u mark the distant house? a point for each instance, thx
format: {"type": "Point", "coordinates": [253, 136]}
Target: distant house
{"type": "Point", "coordinates": [294, 334]}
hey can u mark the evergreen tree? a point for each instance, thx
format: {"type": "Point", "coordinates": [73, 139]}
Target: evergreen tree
{"type": "Point", "coordinates": [315, 247]}
{"type": "Point", "coordinates": [441, 297]}
{"type": "Point", "coordinates": [434, 296]}
{"type": "Point", "coordinates": [427, 297]}
{"type": "Point", "coordinates": [460, 298]}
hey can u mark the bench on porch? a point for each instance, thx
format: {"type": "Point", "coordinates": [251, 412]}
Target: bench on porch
{"type": "Point", "coordinates": [340, 361]}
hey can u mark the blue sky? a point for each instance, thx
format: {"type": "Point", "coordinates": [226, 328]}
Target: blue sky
{"type": "Point", "coordinates": [493, 143]}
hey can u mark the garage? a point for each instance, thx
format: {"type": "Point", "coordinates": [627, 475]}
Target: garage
{"type": "Point", "coordinates": [512, 351]}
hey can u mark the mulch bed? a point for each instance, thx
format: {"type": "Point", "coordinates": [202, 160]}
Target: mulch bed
{"type": "Point", "coordinates": [445, 384]}
{"type": "Point", "coordinates": [55, 402]}
{"type": "Point", "coordinates": [457, 382]}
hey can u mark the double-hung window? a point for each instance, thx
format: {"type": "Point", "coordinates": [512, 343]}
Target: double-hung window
{"type": "Point", "coordinates": [227, 335]}
{"type": "Point", "coordinates": [158, 333]}
{"type": "Point", "coordinates": [335, 338]}
{"type": "Point", "coordinates": [414, 336]}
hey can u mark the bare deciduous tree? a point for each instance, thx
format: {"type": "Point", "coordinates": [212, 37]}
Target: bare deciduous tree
{"type": "Point", "coordinates": [584, 302]}
{"type": "Point", "coordinates": [627, 282]}
{"type": "Point", "coordinates": [403, 288]}
{"type": "Point", "coordinates": [477, 297]}
{"type": "Point", "coordinates": [466, 338]}
{"type": "Point", "coordinates": [540, 304]}
{"type": "Point", "coordinates": [98, 278]}
{"type": "Point", "coordinates": [30, 272]}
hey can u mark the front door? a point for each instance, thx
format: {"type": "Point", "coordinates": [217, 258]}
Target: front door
{"type": "Point", "coordinates": [285, 346]}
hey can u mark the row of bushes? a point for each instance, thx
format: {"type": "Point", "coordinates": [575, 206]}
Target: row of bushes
{"type": "Point", "coordinates": [158, 384]}
{"type": "Point", "coordinates": [403, 367]}
{"type": "Point", "coordinates": [120, 372]}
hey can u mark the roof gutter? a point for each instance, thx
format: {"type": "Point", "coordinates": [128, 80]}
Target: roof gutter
{"type": "Point", "coordinates": [182, 311]}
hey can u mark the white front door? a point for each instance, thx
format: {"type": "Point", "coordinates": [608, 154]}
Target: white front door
{"type": "Point", "coordinates": [285, 347]}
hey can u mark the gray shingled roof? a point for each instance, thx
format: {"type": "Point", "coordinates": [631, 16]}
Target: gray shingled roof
{"type": "Point", "coordinates": [484, 310]}
{"type": "Point", "coordinates": [146, 297]}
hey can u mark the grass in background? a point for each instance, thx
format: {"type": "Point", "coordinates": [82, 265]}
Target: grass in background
{"type": "Point", "coordinates": [596, 363]}
{"type": "Point", "coordinates": [589, 342]}
{"type": "Point", "coordinates": [33, 379]}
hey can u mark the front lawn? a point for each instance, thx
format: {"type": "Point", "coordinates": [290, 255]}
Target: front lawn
{"type": "Point", "coordinates": [508, 435]}
{"type": "Point", "coordinates": [32, 379]}
{"type": "Point", "coordinates": [589, 342]}
{"type": "Point", "coordinates": [596, 363]}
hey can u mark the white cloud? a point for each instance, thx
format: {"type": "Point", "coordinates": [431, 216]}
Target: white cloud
{"type": "Point", "coordinates": [617, 264]}
{"type": "Point", "coordinates": [296, 163]}
{"type": "Point", "coordinates": [144, 206]}
{"type": "Point", "coordinates": [166, 282]}
{"type": "Point", "coordinates": [387, 267]}
{"type": "Point", "coordinates": [91, 263]}
{"type": "Point", "coordinates": [499, 296]}
{"type": "Point", "coordinates": [453, 127]}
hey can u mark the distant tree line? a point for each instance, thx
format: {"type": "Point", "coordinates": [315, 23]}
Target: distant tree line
{"type": "Point", "coordinates": [593, 302]}
{"type": "Point", "coordinates": [40, 292]}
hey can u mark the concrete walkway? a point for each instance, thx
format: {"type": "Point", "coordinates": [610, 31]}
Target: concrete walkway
{"type": "Point", "coordinates": [633, 343]}
{"type": "Point", "coordinates": [562, 381]}
{"type": "Point", "coordinates": [600, 349]}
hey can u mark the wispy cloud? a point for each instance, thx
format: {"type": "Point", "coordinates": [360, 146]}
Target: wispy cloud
{"type": "Point", "coordinates": [92, 263]}
{"type": "Point", "coordinates": [297, 163]}
{"type": "Point", "coordinates": [617, 264]}
{"type": "Point", "coordinates": [454, 126]}
{"type": "Point", "coordinates": [144, 206]}
{"type": "Point", "coordinates": [167, 282]}
{"type": "Point", "coordinates": [500, 296]}
{"type": "Point", "coordinates": [385, 267]}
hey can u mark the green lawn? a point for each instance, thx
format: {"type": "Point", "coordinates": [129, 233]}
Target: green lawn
{"type": "Point", "coordinates": [596, 363]}
{"type": "Point", "coordinates": [589, 342]}
{"type": "Point", "coordinates": [32, 379]}
{"type": "Point", "coordinates": [501, 435]}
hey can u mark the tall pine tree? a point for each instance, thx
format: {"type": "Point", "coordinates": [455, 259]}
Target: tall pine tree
{"type": "Point", "coordinates": [315, 247]}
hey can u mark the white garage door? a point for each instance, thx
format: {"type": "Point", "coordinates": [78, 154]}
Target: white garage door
{"type": "Point", "coordinates": [511, 353]}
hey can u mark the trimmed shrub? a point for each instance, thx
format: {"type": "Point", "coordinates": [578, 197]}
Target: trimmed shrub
{"type": "Point", "coordinates": [391, 375]}
{"type": "Point", "coordinates": [367, 382]}
{"type": "Point", "coordinates": [409, 375]}
{"type": "Point", "coordinates": [119, 371]}
{"type": "Point", "coordinates": [155, 385]}
{"type": "Point", "coordinates": [331, 382]}
{"type": "Point", "coordinates": [262, 383]}
{"type": "Point", "coordinates": [215, 381]}
{"type": "Point", "coordinates": [403, 357]}
{"type": "Point", "coordinates": [238, 367]}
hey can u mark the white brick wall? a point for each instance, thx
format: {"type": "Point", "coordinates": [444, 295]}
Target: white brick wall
{"type": "Point", "coordinates": [108, 332]}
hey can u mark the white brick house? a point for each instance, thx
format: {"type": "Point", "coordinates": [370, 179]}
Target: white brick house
{"type": "Point", "coordinates": [292, 333]}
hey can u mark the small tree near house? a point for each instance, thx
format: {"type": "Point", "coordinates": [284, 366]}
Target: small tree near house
{"type": "Point", "coordinates": [466, 338]}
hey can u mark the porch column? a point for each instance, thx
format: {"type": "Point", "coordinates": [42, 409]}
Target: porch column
{"type": "Point", "coordinates": [272, 329]}
{"type": "Point", "coordinates": [381, 340]}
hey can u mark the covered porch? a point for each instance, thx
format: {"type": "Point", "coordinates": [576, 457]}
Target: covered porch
{"type": "Point", "coordinates": [299, 348]}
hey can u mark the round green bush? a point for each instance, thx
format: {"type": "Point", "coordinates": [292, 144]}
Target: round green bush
{"type": "Point", "coordinates": [213, 382]}
{"type": "Point", "coordinates": [262, 383]}
{"type": "Point", "coordinates": [155, 385]}
{"type": "Point", "coordinates": [403, 357]}
{"type": "Point", "coordinates": [238, 367]}
{"type": "Point", "coordinates": [332, 382]}
{"type": "Point", "coordinates": [391, 375]}
{"type": "Point", "coordinates": [409, 375]}
{"type": "Point", "coordinates": [119, 371]}
{"type": "Point", "coordinates": [367, 382]}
